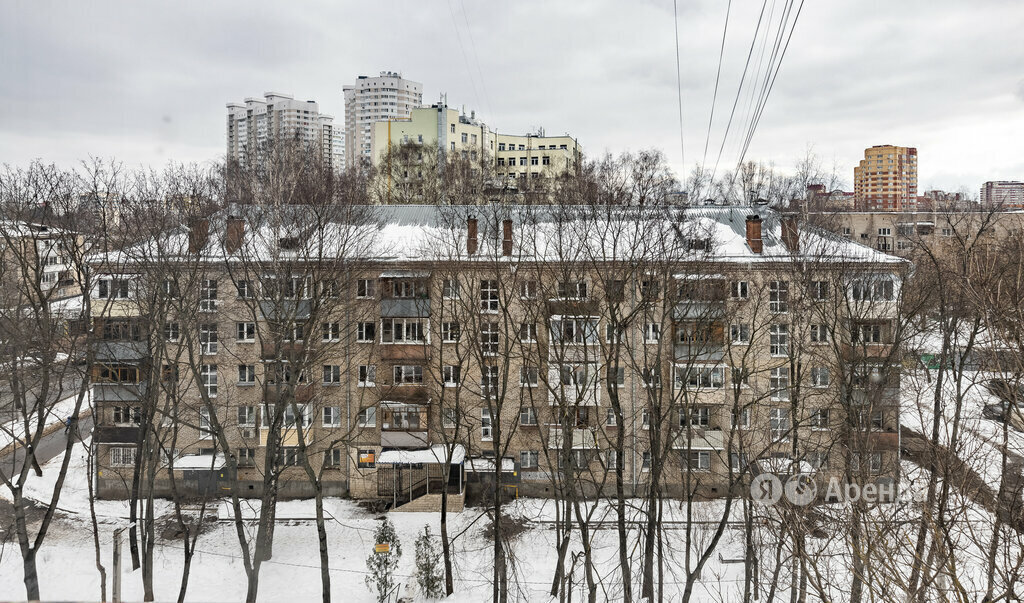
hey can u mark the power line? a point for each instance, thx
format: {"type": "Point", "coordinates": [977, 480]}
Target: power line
{"type": "Point", "coordinates": [718, 75]}
{"type": "Point", "coordinates": [462, 49]}
{"type": "Point", "coordinates": [679, 88]}
{"type": "Point", "coordinates": [476, 57]}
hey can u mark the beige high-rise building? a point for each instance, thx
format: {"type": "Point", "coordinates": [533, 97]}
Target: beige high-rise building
{"type": "Point", "coordinates": [255, 123]}
{"type": "Point", "coordinates": [373, 99]}
{"type": "Point", "coordinates": [886, 179]}
{"type": "Point", "coordinates": [1003, 193]}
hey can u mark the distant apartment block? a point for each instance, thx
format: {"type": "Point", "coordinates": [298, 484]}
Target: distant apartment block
{"type": "Point", "coordinates": [373, 99]}
{"type": "Point", "coordinates": [513, 156]}
{"type": "Point", "coordinates": [886, 179]}
{"type": "Point", "coordinates": [1003, 193]}
{"type": "Point", "coordinates": [253, 124]}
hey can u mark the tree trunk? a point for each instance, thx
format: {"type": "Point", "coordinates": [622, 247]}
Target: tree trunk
{"type": "Point", "coordinates": [321, 531]}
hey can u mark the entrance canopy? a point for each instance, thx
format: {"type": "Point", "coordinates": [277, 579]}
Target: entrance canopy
{"type": "Point", "coordinates": [434, 455]}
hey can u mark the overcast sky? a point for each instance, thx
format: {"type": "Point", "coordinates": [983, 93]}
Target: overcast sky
{"type": "Point", "coordinates": [147, 82]}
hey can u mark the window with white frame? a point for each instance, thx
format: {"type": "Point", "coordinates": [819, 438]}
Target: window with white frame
{"type": "Point", "coordinates": [819, 290]}
{"type": "Point", "coordinates": [486, 428]}
{"type": "Point", "coordinates": [244, 290]}
{"type": "Point", "coordinates": [367, 375]}
{"type": "Point", "coordinates": [489, 381]}
{"type": "Point", "coordinates": [208, 296]}
{"type": "Point", "coordinates": [295, 332]}
{"type": "Point", "coordinates": [574, 330]}
{"type": "Point", "coordinates": [208, 376]}
{"type": "Point", "coordinates": [449, 418]}
{"type": "Point", "coordinates": [113, 288]}
{"type": "Point", "coordinates": [528, 376]}
{"type": "Point", "coordinates": [246, 374]}
{"type": "Point", "coordinates": [739, 334]}
{"type": "Point", "coordinates": [700, 377]}
{"type": "Point", "coordinates": [652, 332]}
{"type": "Point", "coordinates": [613, 333]}
{"type": "Point", "coordinates": [645, 462]}
{"type": "Point", "coordinates": [740, 376]}
{"type": "Point", "coordinates": [820, 376]}
{"type": "Point", "coordinates": [645, 418]}
{"type": "Point", "coordinates": [366, 332]}
{"type": "Point", "coordinates": [528, 416]}
{"type": "Point", "coordinates": [740, 420]}
{"type": "Point", "coordinates": [571, 290]}
{"type": "Point", "coordinates": [651, 377]}
{"type": "Point", "coordinates": [875, 460]}
{"type": "Point", "coordinates": [172, 331]}
{"type": "Point", "coordinates": [208, 340]}
{"type": "Point", "coordinates": [332, 416]}
{"type": "Point", "coordinates": [778, 423]}
{"type": "Point", "coordinates": [778, 382]}
{"type": "Point", "coordinates": [245, 332]}
{"type": "Point", "coordinates": [885, 232]}
{"type": "Point", "coordinates": [700, 460]}
{"type": "Point", "coordinates": [403, 330]}
{"type": "Point", "coordinates": [450, 375]}
{"type": "Point", "coordinates": [529, 459]}
{"type": "Point", "coordinates": [367, 417]}
{"type": "Point", "coordinates": [122, 456]}
{"type": "Point", "coordinates": [366, 288]}
{"type": "Point", "coordinates": [738, 461]}
{"type": "Point", "coordinates": [873, 289]}
{"type": "Point", "coordinates": [619, 375]}
{"type": "Point", "coordinates": [332, 374]}
{"type": "Point", "coordinates": [294, 413]}
{"type": "Point", "coordinates": [450, 332]}
{"type": "Point", "coordinates": [528, 332]}
{"type": "Point", "coordinates": [332, 458]}
{"type": "Point", "coordinates": [700, 416]}
{"type": "Point", "coordinates": [610, 419]}
{"type": "Point", "coordinates": [819, 333]}
{"type": "Point", "coordinates": [450, 288]}
{"type": "Point", "coordinates": [740, 289]}
{"type": "Point", "coordinates": [488, 295]}
{"type": "Point", "coordinates": [611, 459]}
{"type": "Point", "coordinates": [331, 331]}
{"type": "Point", "coordinates": [866, 333]}
{"type": "Point", "coordinates": [408, 374]}
{"type": "Point", "coordinates": [778, 340]}
{"type": "Point", "coordinates": [820, 419]}
{"type": "Point", "coordinates": [778, 296]}
{"type": "Point", "coordinates": [489, 338]}
{"type": "Point", "coordinates": [246, 416]}
{"type": "Point", "coordinates": [205, 425]}
{"type": "Point", "coordinates": [528, 289]}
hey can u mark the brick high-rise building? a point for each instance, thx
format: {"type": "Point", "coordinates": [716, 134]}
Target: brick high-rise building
{"type": "Point", "coordinates": [886, 179]}
{"type": "Point", "coordinates": [1004, 193]}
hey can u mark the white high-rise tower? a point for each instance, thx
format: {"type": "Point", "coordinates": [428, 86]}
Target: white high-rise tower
{"type": "Point", "coordinates": [371, 99]}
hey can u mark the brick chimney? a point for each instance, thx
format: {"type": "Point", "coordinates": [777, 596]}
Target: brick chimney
{"type": "Point", "coordinates": [198, 234]}
{"type": "Point", "coordinates": [754, 233]}
{"type": "Point", "coordinates": [791, 233]}
{"type": "Point", "coordinates": [471, 235]}
{"type": "Point", "coordinates": [234, 234]}
{"type": "Point", "coordinates": [506, 239]}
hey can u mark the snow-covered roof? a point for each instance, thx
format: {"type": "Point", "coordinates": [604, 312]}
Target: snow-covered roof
{"type": "Point", "coordinates": [434, 455]}
{"type": "Point", "coordinates": [200, 461]}
{"type": "Point", "coordinates": [486, 465]}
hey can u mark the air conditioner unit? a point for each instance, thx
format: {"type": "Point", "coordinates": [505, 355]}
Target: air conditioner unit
{"type": "Point", "coordinates": [248, 433]}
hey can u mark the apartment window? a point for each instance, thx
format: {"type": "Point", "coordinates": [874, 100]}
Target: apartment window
{"type": "Point", "coordinates": [528, 332]}
{"type": "Point", "coordinates": [127, 415]}
{"type": "Point", "coordinates": [846, 231]}
{"type": "Point", "coordinates": [947, 232]}
{"type": "Point", "coordinates": [453, 129]}
{"type": "Point", "coordinates": [297, 332]}
{"type": "Point", "coordinates": [873, 290]}
{"type": "Point", "coordinates": [489, 381]}
{"type": "Point", "coordinates": [740, 289]}
{"type": "Point", "coordinates": [332, 416]}
{"type": "Point", "coordinates": [365, 332]}
{"type": "Point", "coordinates": [818, 460]}
{"type": "Point", "coordinates": [448, 418]}
{"type": "Point", "coordinates": [450, 289]}
{"type": "Point", "coordinates": [778, 382]}
{"type": "Point", "coordinates": [486, 428]}
{"type": "Point", "coordinates": [875, 462]}
{"type": "Point", "coordinates": [546, 160]}
{"type": "Point", "coordinates": [819, 290]}
{"type": "Point", "coordinates": [208, 343]}
{"type": "Point", "coordinates": [609, 417]}
{"type": "Point", "coordinates": [408, 374]}
{"type": "Point", "coordinates": [245, 331]}
{"type": "Point", "coordinates": [289, 456]}
{"type": "Point", "coordinates": [501, 161]}
{"type": "Point", "coordinates": [367, 417]}
{"type": "Point", "coordinates": [652, 332]}
{"type": "Point", "coordinates": [528, 289]}
{"type": "Point", "coordinates": [332, 374]}
{"type": "Point", "coordinates": [613, 333]}
{"type": "Point", "coordinates": [172, 331]}
{"type": "Point", "coordinates": [244, 289]}
{"type": "Point", "coordinates": [820, 419]}
{"type": "Point", "coordinates": [522, 161]}
{"type": "Point", "coordinates": [742, 421]}
{"type": "Point", "coordinates": [619, 375]}
{"type": "Point", "coordinates": [366, 459]}
{"type": "Point", "coordinates": [652, 377]}
{"type": "Point", "coordinates": [208, 376]}
{"type": "Point", "coordinates": [740, 376]}
{"type": "Point", "coordinates": [528, 376]}
{"type": "Point", "coordinates": [700, 460]}
{"type": "Point", "coordinates": [489, 338]}
{"type": "Point", "coordinates": [529, 459]}
{"type": "Point", "coordinates": [533, 160]}
{"type": "Point", "coordinates": [205, 426]}
{"type": "Point", "coordinates": [738, 461]}
{"type": "Point", "coordinates": [528, 416]}
{"type": "Point", "coordinates": [885, 232]}
{"type": "Point", "coordinates": [331, 331]}
{"type": "Point", "coordinates": [574, 330]}
{"type": "Point", "coordinates": [247, 416]}
{"type": "Point", "coordinates": [571, 290]}
{"type": "Point", "coordinates": [489, 295]}
{"type": "Point", "coordinates": [246, 374]}
{"type": "Point", "coordinates": [366, 288]}
{"type": "Point", "coordinates": [645, 418]}
{"type": "Point", "coordinates": [450, 332]}
{"type": "Point", "coordinates": [501, 146]}
{"type": "Point", "coordinates": [819, 334]}
{"type": "Point", "coordinates": [778, 296]}
{"type": "Point", "coordinates": [122, 456]}
{"type": "Point", "coordinates": [867, 333]}
{"type": "Point", "coordinates": [645, 463]}
{"type": "Point", "coordinates": [208, 296]}
{"type": "Point", "coordinates": [465, 137]}
{"type": "Point", "coordinates": [778, 340]}
{"type": "Point", "coordinates": [403, 330]}
{"type": "Point", "coordinates": [700, 416]}
{"type": "Point", "coordinates": [367, 375]}
{"type": "Point", "coordinates": [739, 334]}
{"type": "Point", "coordinates": [332, 458]}
{"type": "Point", "coordinates": [820, 376]}
{"type": "Point", "coordinates": [113, 288]}
{"type": "Point", "coordinates": [778, 423]}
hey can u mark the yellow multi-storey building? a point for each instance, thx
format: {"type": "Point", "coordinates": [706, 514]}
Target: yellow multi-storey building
{"type": "Point", "coordinates": [886, 179]}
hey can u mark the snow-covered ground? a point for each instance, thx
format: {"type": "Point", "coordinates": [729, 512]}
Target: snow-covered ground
{"type": "Point", "coordinates": [14, 431]}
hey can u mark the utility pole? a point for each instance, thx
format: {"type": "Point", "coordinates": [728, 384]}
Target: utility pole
{"type": "Point", "coordinates": [117, 562]}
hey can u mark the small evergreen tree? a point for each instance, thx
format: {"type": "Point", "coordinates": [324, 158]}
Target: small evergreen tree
{"type": "Point", "coordinates": [429, 573]}
{"type": "Point", "coordinates": [382, 565]}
